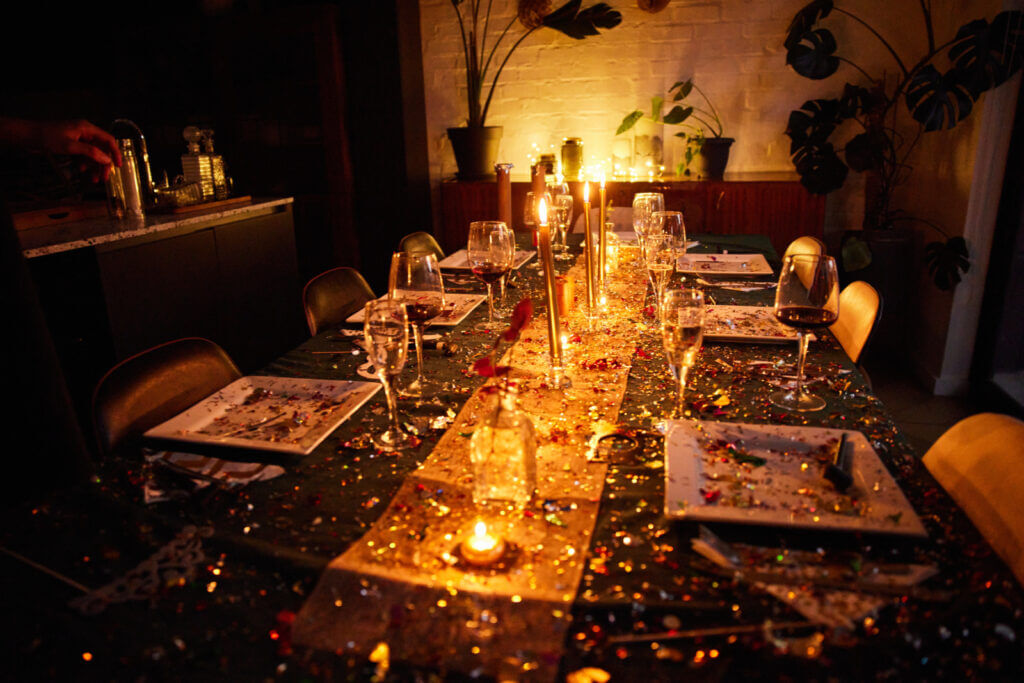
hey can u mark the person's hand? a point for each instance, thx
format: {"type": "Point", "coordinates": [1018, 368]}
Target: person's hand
{"type": "Point", "coordinates": [97, 148]}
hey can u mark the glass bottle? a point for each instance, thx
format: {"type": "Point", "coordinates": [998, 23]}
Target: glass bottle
{"type": "Point", "coordinates": [572, 158]}
{"type": "Point", "coordinates": [195, 165]}
{"type": "Point", "coordinates": [220, 181]}
{"type": "Point", "coordinates": [503, 451]}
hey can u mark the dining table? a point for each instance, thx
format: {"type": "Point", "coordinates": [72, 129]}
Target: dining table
{"type": "Point", "coordinates": [344, 564]}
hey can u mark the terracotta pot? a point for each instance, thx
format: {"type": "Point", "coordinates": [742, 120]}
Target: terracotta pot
{"type": "Point", "coordinates": [714, 156]}
{"type": "Point", "coordinates": [475, 149]}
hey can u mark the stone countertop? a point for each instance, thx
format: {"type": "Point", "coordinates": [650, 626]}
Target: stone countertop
{"type": "Point", "coordinates": [52, 239]}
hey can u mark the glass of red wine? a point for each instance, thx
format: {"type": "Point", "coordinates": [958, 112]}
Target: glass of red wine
{"type": "Point", "coordinates": [491, 249]}
{"type": "Point", "coordinates": [415, 280]}
{"type": "Point", "coordinates": [807, 298]}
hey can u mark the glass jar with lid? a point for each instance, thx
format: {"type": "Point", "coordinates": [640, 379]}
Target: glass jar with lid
{"type": "Point", "coordinates": [572, 158]}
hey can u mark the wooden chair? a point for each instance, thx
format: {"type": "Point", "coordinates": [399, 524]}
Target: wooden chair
{"type": "Point", "coordinates": [980, 463]}
{"type": "Point", "coordinates": [332, 296]}
{"type": "Point", "coordinates": [155, 385]}
{"type": "Point", "coordinates": [805, 245]}
{"type": "Point", "coordinates": [860, 308]}
{"type": "Point", "coordinates": [421, 241]}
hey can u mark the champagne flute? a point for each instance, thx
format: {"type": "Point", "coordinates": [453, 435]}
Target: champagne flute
{"type": "Point", "coordinates": [562, 208]}
{"type": "Point", "coordinates": [671, 223]}
{"type": "Point", "coordinates": [807, 298]}
{"type": "Point", "coordinates": [682, 332]}
{"type": "Point", "coordinates": [491, 250]}
{"type": "Point", "coordinates": [659, 258]}
{"type": "Point", "coordinates": [644, 205]}
{"type": "Point", "coordinates": [530, 217]}
{"type": "Point", "coordinates": [386, 334]}
{"type": "Point", "coordinates": [415, 280]}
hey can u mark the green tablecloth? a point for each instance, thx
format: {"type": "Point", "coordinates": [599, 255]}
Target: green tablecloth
{"type": "Point", "coordinates": [271, 539]}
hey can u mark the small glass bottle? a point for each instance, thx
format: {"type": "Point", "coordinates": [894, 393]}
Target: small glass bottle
{"type": "Point", "coordinates": [503, 451]}
{"type": "Point", "coordinates": [220, 181]}
{"type": "Point", "coordinates": [195, 165]}
{"type": "Point", "coordinates": [572, 158]}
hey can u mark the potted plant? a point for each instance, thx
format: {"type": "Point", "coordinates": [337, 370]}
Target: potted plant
{"type": "Point", "coordinates": [938, 89]}
{"type": "Point", "coordinates": [702, 134]}
{"type": "Point", "coordinates": [476, 144]}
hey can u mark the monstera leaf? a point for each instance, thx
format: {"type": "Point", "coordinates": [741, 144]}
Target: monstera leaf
{"type": "Point", "coordinates": [579, 24]}
{"type": "Point", "coordinates": [814, 56]}
{"type": "Point", "coordinates": [857, 99]}
{"type": "Point", "coordinates": [805, 20]}
{"type": "Point", "coordinates": [938, 100]}
{"type": "Point", "coordinates": [812, 124]}
{"type": "Point", "coordinates": [987, 54]}
{"type": "Point", "coordinates": [820, 168]}
{"type": "Point", "coordinates": [867, 150]}
{"type": "Point", "coordinates": [945, 261]}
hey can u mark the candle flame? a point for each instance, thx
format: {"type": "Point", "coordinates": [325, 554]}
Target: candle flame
{"type": "Point", "coordinates": [480, 529]}
{"type": "Point", "coordinates": [586, 192]}
{"type": "Point", "coordinates": [602, 180]}
{"type": "Point", "coordinates": [542, 212]}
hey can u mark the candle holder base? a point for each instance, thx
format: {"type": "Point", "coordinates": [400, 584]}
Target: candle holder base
{"type": "Point", "coordinates": [557, 378]}
{"type": "Point", "coordinates": [502, 564]}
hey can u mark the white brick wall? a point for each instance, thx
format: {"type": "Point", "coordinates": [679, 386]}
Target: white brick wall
{"type": "Point", "coordinates": [554, 86]}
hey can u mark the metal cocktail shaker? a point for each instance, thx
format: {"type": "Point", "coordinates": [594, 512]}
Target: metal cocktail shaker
{"type": "Point", "coordinates": [124, 186]}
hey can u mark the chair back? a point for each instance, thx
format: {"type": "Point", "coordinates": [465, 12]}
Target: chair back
{"type": "Point", "coordinates": [421, 241]}
{"type": "Point", "coordinates": [860, 308]}
{"type": "Point", "coordinates": [332, 296]}
{"type": "Point", "coordinates": [980, 463]}
{"type": "Point", "coordinates": [155, 385]}
{"type": "Point", "coordinates": [805, 245]}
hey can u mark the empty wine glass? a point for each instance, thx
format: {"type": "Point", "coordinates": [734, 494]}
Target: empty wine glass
{"type": "Point", "coordinates": [562, 210]}
{"type": "Point", "coordinates": [659, 259]}
{"type": "Point", "coordinates": [415, 280]}
{"type": "Point", "coordinates": [491, 249]}
{"type": "Point", "coordinates": [807, 298]}
{"type": "Point", "coordinates": [386, 334]}
{"type": "Point", "coordinates": [530, 217]}
{"type": "Point", "coordinates": [671, 223]}
{"type": "Point", "coordinates": [644, 206]}
{"type": "Point", "coordinates": [682, 332]}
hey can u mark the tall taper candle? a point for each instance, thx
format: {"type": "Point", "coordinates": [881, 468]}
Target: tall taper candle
{"type": "Point", "coordinates": [603, 244]}
{"type": "Point", "coordinates": [554, 326]}
{"type": "Point", "coordinates": [503, 174]}
{"type": "Point", "coordinates": [588, 247]}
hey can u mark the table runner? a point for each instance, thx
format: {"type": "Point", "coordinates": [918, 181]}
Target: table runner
{"type": "Point", "coordinates": [400, 585]}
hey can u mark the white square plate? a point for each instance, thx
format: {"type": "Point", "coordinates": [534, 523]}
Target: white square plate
{"type": "Point", "coordinates": [704, 480]}
{"type": "Point", "coordinates": [457, 307]}
{"type": "Point", "coordinates": [285, 414]}
{"type": "Point", "coordinates": [756, 324]}
{"type": "Point", "coordinates": [459, 260]}
{"type": "Point", "coordinates": [724, 264]}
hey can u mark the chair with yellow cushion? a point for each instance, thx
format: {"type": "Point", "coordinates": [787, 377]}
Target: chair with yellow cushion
{"type": "Point", "coordinates": [153, 386]}
{"type": "Point", "coordinates": [980, 463]}
{"type": "Point", "coordinates": [332, 296]}
{"type": "Point", "coordinates": [421, 241]}
{"type": "Point", "coordinates": [860, 308]}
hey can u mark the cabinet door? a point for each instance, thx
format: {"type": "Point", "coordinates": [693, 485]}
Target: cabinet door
{"type": "Point", "coordinates": [261, 299]}
{"type": "Point", "coordinates": [160, 290]}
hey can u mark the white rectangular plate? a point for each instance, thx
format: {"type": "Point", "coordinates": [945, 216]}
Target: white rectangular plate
{"type": "Point", "coordinates": [756, 324]}
{"type": "Point", "coordinates": [705, 482]}
{"type": "Point", "coordinates": [460, 260]}
{"type": "Point", "coordinates": [457, 307]}
{"type": "Point", "coordinates": [264, 413]}
{"type": "Point", "coordinates": [724, 264]}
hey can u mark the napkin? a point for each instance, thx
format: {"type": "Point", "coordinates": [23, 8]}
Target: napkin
{"type": "Point", "coordinates": [204, 471]}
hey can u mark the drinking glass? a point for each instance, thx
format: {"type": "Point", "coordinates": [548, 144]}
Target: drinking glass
{"type": "Point", "coordinates": [491, 249]}
{"type": "Point", "coordinates": [386, 334]}
{"type": "Point", "coordinates": [562, 210]}
{"type": "Point", "coordinates": [530, 217]}
{"type": "Point", "coordinates": [807, 298]}
{"type": "Point", "coordinates": [659, 259]}
{"type": "Point", "coordinates": [671, 223]}
{"type": "Point", "coordinates": [415, 280]}
{"type": "Point", "coordinates": [682, 332]}
{"type": "Point", "coordinates": [644, 205]}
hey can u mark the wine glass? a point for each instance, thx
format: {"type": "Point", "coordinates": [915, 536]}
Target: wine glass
{"type": "Point", "coordinates": [386, 334]}
{"type": "Point", "coordinates": [807, 298]}
{"type": "Point", "coordinates": [671, 223]}
{"type": "Point", "coordinates": [659, 259]}
{"type": "Point", "coordinates": [644, 205]}
{"type": "Point", "coordinates": [530, 217]}
{"type": "Point", "coordinates": [491, 249]}
{"type": "Point", "coordinates": [562, 209]}
{"type": "Point", "coordinates": [415, 280]}
{"type": "Point", "coordinates": [682, 332]}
